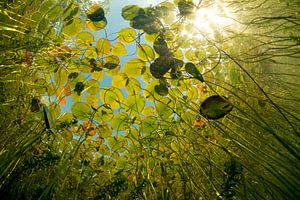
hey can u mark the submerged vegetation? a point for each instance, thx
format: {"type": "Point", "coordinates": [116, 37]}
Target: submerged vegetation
{"type": "Point", "coordinates": [207, 106]}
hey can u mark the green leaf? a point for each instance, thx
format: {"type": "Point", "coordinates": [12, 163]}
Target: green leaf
{"type": "Point", "coordinates": [131, 11]}
{"type": "Point", "coordinates": [103, 114]}
{"type": "Point", "coordinates": [67, 135]}
{"type": "Point", "coordinates": [192, 69]}
{"type": "Point", "coordinates": [161, 47]}
{"type": "Point", "coordinates": [118, 49]}
{"type": "Point", "coordinates": [84, 39]}
{"type": "Point", "coordinates": [120, 122]}
{"type": "Point", "coordinates": [149, 125]}
{"type": "Point", "coordinates": [161, 89]}
{"type": "Point", "coordinates": [111, 96]}
{"type": "Point", "coordinates": [126, 35]}
{"type": "Point", "coordinates": [186, 7]}
{"type": "Point", "coordinates": [160, 66]}
{"type": "Point", "coordinates": [96, 18]}
{"type": "Point", "coordinates": [103, 47]}
{"type": "Point", "coordinates": [81, 110]}
{"type": "Point", "coordinates": [92, 86]}
{"type": "Point", "coordinates": [91, 100]}
{"type": "Point", "coordinates": [149, 24]}
{"type": "Point", "coordinates": [215, 107]}
{"type": "Point", "coordinates": [73, 27]}
{"type": "Point", "coordinates": [60, 77]}
{"type": "Point", "coordinates": [79, 87]}
{"type": "Point", "coordinates": [54, 110]}
{"type": "Point", "coordinates": [97, 15]}
{"type": "Point", "coordinates": [119, 81]}
{"type": "Point", "coordinates": [134, 104]}
{"type": "Point", "coordinates": [145, 52]}
{"type": "Point", "coordinates": [134, 67]}
{"type": "Point", "coordinates": [132, 86]}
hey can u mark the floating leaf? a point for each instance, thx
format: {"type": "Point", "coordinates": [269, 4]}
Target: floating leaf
{"type": "Point", "coordinates": [96, 18]}
{"type": "Point", "coordinates": [161, 47]}
{"type": "Point", "coordinates": [215, 107]}
{"type": "Point", "coordinates": [79, 87]}
{"type": "Point", "coordinates": [91, 100]}
{"type": "Point", "coordinates": [126, 35]}
{"type": "Point", "coordinates": [161, 89]}
{"type": "Point", "coordinates": [134, 67]}
{"type": "Point", "coordinates": [81, 110]}
{"type": "Point", "coordinates": [145, 52]}
{"type": "Point", "coordinates": [60, 77]}
{"type": "Point", "coordinates": [103, 47]}
{"type": "Point", "coordinates": [73, 28]}
{"type": "Point", "coordinates": [134, 104]}
{"type": "Point", "coordinates": [111, 96]}
{"type": "Point", "coordinates": [132, 86]}
{"type": "Point", "coordinates": [160, 66]}
{"type": "Point", "coordinates": [92, 86]}
{"type": "Point", "coordinates": [192, 69]}
{"type": "Point", "coordinates": [96, 15]}
{"type": "Point", "coordinates": [186, 7]}
{"type": "Point", "coordinates": [118, 49]}
{"type": "Point", "coordinates": [119, 81]}
{"type": "Point", "coordinates": [131, 11]}
{"type": "Point", "coordinates": [103, 114]}
{"type": "Point", "coordinates": [67, 135]}
{"type": "Point", "coordinates": [120, 122]}
{"type": "Point", "coordinates": [84, 39]}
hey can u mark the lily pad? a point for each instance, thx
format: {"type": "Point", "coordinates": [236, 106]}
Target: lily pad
{"type": "Point", "coordinates": [192, 69]}
{"type": "Point", "coordinates": [215, 107]}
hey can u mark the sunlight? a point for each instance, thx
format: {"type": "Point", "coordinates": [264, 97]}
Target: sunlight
{"type": "Point", "coordinates": [212, 17]}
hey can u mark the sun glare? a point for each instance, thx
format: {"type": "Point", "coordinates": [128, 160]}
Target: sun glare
{"type": "Point", "coordinates": [212, 17]}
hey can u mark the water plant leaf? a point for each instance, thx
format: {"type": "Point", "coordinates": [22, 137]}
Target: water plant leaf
{"type": "Point", "coordinates": [215, 107]}
{"type": "Point", "coordinates": [161, 47]}
{"type": "Point", "coordinates": [67, 135]}
{"type": "Point", "coordinates": [111, 96]}
{"type": "Point", "coordinates": [134, 104]}
{"type": "Point", "coordinates": [126, 35]}
{"type": "Point", "coordinates": [145, 52]}
{"type": "Point", "coordinates": [81, 110]}
{"type": "Point", "coordinates": [160, 66]}
{"type": "Point", "coordinates": [186, 7]}
{"type": "Point", "coordinates": [97, 15]}
{"type": "Point", "coordinates": [118, 49]}
{"type": "Point", "coordinates": [103, 114]}
{"type": "Point", "coordinates": [103, 47]}
{"type": "Point", "coordinates": [84, 39]}
{"type": "Point", "coordinates": [79, 87]}
{"type": "Point", "coordinates": [96, 18]}
{"type": "Point", "coordinates": [161, 89]}
{"type": "Point", "coordinates": [134, 67]}
{"type": "Point", "coordinates": [192, 69]}
{"type": "Point", "coordinates": [131, 11]}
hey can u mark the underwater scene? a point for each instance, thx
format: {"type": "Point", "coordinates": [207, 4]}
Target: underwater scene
{"type": "Point", "coordinates": [150, 99]}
